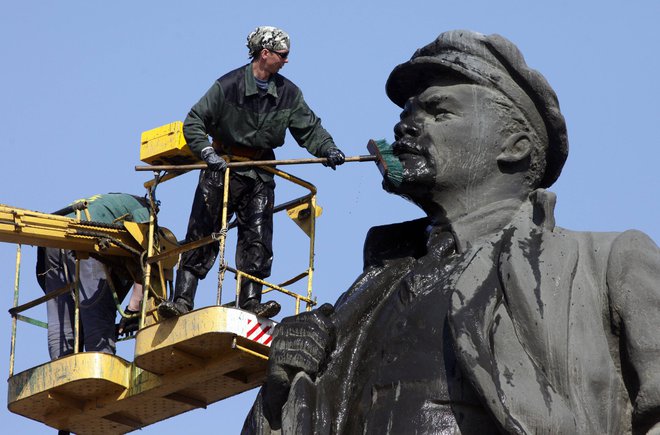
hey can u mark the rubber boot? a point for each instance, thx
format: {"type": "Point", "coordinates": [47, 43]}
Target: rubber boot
{"type": "Point", "coordinates": [250, 300]}
{"type": "Point", "coordinates": [184, 295]}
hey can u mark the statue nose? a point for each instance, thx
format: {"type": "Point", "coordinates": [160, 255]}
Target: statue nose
{"type": "Point", "coordinates": [404, 128]}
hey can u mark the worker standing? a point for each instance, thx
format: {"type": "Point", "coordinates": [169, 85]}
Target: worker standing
{"type": "Point", "coordinates": [246, 112]}
{"type": "Point", "coordinates": [56, 269]}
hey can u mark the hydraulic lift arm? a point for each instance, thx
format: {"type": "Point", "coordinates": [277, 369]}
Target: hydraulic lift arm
{"type": "Point", "coordinates": [29, 227]}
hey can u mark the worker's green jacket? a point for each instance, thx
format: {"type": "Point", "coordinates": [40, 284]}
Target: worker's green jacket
{"type": "Point", "coordinates": [115, 207]}
{"type": "Point", "coordinates": [235, 112]}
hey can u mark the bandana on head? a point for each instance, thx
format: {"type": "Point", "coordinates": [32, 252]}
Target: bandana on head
{"type": "Point", "coordinates": [268, 37]}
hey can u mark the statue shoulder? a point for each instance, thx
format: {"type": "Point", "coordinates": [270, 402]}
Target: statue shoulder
{"type": "Point", "coordinates": [394, 241]}
{"type": "Point", "coordinates": [633, 253]}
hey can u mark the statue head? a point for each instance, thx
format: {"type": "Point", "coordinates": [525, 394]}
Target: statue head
{"type": "Point", "coordinates": [474, 114]}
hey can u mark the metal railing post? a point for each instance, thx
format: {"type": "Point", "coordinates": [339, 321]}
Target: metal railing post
{"type": "Point", "coordinates": [76, 308]}
{"type": "Point", "coordinates": [14, 316]}
{"type": "Point", "coordinates": [223, 236]}
{"type": "Point", "coordinates": [146, 277]}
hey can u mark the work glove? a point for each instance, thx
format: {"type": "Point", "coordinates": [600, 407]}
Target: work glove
{"type": "Point", "coordinates": [213, 160]}
{"type": "Point", "coordinates": [335, 157]}
{"type": "Point", "coordinates": [128, 326]}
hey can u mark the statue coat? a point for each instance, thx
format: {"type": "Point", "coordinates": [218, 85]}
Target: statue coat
{"type": "Point", "coordinates": [557, 331]}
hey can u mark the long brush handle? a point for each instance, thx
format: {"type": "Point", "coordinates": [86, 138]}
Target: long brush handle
{"type": "Point", "coordinates": [368, 158]}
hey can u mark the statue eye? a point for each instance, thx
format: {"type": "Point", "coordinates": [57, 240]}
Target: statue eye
{"type": "Point", "coordinates": [438, 109]}
{"type": "Point", "coordinates": [442, 114]}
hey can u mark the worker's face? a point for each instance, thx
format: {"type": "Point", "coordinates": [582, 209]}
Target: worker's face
{"type": "Point", "coordinates": [274, 60]}
{"type": "Point", "coordinates": [448, 137]}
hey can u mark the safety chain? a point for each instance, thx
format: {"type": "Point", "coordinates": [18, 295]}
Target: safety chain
{"type": "Point", "coordinates": [104, 241]}
{"type": "Point", "coordinates": [220, 234]}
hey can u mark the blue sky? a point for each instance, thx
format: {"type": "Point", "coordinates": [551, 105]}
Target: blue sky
{"type": "Point", "coordinates": [80, 81]}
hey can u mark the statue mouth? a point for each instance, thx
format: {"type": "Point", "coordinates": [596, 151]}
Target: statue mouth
{"type": "Point", "coordinates": [405, 146]}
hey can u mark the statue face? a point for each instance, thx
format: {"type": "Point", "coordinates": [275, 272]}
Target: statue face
{"type": "Point", "coordinates": [448, 137]}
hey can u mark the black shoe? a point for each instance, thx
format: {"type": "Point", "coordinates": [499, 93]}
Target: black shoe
{"type": "Point", "coordinates": [183, 297]}
{"type": "Point", "coordinates": [168, 309]}
{"type": "Point", "coordinates": [267, 309]}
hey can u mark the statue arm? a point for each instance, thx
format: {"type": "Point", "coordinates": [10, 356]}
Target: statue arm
{"type": "Point", "coordinates": [299, 351]}
{"type": "Point", "coordinates": [633, 281]}
{"type": "Point", "coordinates": [256, 422]}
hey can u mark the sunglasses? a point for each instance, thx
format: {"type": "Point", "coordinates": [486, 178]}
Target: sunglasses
{"type": "Point", "coordinates": [281, 55]}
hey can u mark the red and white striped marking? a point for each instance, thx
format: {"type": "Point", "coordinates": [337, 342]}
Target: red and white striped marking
{"type": "Point", "coordinates": [259, 332]}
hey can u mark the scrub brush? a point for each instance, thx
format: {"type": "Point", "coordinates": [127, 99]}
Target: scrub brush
{"type": "Point", "coordinates": [388, 164]}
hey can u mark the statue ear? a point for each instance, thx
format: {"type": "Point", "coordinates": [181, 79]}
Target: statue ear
{"type": "Point", "coordinates": [516, 148]}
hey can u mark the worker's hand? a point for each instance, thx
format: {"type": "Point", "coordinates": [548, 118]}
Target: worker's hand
{"type": "Point", "coordinates": [128, 326]}
{"type": "Point", "coordinates": [213, 160]}
{"type": "Point", "coordinates": [335, 157]}
{"type": "Point", "coordinates": [300, 343]}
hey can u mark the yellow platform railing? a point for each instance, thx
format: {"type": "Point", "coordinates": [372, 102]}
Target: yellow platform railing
{"type": "Point", "coordinates": [298, 209]}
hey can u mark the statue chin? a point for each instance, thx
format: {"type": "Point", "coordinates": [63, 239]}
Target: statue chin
{"type": "Point", "coordinates": [415, 183]}
{"type": "Point", "coordinates": [389, 186]}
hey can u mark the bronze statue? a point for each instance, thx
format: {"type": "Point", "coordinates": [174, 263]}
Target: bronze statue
{"type": "Point", "coordinates": [483, 317]}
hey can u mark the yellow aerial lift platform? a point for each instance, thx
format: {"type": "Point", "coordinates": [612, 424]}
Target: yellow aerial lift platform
{"type": "Point", "coordinates": [179, 364]}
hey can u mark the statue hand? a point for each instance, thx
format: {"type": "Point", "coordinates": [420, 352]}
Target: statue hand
{"type": "Point", "coordinates": [300, 343]}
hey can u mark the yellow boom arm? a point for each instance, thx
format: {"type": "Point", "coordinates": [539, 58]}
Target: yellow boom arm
{"type": "Point", "coordinates": [29, 227]}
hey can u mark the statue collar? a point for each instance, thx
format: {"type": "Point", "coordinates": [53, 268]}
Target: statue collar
{"type": "Point", "coordinates": [410, 239]}
{"type": "Point", "coordinates": [469, 229]}
{"type": "Point", "coordinates": [473, 228]}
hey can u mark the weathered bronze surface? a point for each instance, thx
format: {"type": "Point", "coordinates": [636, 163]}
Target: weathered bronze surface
{"type": "Point", "coordinates": [483, 317]}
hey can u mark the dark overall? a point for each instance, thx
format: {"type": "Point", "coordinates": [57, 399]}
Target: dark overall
{"type": "Point", "coordinates": [251, 199]}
